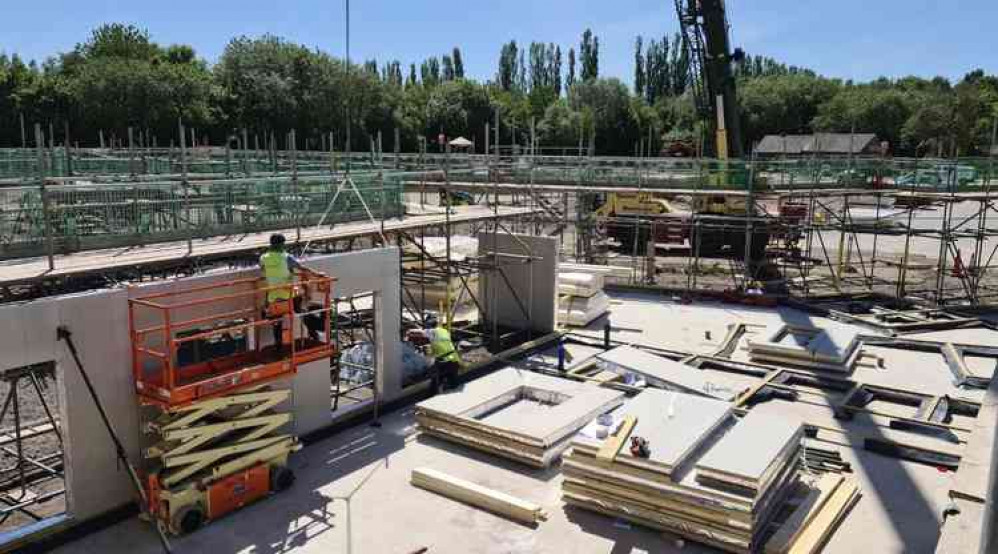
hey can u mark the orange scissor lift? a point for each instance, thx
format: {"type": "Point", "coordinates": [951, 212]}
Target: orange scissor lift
{"type": "Point", "coordinates": [214, 392]}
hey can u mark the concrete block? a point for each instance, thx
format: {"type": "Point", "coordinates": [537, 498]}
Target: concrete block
{"type": "Point", "coordinates": [95, 481]}
{"type": "Point", "coordinates": [27, 333]}
{"type": "Point", "coordinates": [311, 397]}
{"type": "Point", "coordinates": [530, 283]}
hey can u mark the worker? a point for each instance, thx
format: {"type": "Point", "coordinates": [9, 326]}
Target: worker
{"type": "Point", "coordinates": [278, 269]}
{"type": "Point", "coordinates": [446, 361]}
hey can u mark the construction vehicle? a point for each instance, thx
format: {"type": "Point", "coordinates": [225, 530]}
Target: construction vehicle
{"type": "Point", "coordinates": [722, 228]}
{"type": "Point", "coordinates": [214, 393]}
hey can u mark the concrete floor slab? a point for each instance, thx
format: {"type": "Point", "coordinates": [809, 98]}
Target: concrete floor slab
{"type": "Point", "coordinates": [673, 423]}
{"type": "Point", "coordinates": [751, 447]}
{"type": "Point", "coordinates": [661, 372]}
{"type": "Point", "coordinates": [353, 496]}
{"type": "Point", "coordinates": [574, 403]}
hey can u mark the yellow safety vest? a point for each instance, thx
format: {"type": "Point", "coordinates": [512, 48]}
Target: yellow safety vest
{"type": "Point", "coordinates": [441, 346]}
{"type": "Point", "coordinates": [276, 271]}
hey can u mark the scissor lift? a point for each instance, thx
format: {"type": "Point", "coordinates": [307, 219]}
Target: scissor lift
{"type": "Point", "coordinates": [216, 423]}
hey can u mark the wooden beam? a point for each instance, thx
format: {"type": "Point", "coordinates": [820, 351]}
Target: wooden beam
{"type": "Point", "coordinates": [824, 523]}
{"type": "Point", "coordinates": [744, 397]}
{"type": "Point", "coordinates": [477, 495]}
{"type": "Point", "coordinates": [803, 514]}
{"type": "Point", "coordinates": [611, 447]}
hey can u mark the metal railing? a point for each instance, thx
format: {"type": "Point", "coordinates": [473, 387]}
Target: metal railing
{"type": "Point", "coordinates": [72, 217]}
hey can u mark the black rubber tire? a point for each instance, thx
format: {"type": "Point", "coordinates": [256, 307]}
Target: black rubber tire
{"type": "Point", "coordinates": [189, 519]}
{"type": "Point", "coordinates": [281, 478]}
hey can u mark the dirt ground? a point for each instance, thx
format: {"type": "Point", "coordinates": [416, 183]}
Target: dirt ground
{"type": "Point", "coordinates": [45, 449]}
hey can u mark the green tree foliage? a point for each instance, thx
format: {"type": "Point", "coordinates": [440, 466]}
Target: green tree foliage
{"type": "Point", "coordinates": [589, 56]}
{"type": "Point", "coordinates": [570, 78]}
{"type": "Point", "coordinates": [447, 68]}
{"type": "Point", "coordinates": [782, 103]}
{"type": "Point", "coordinates": [508, 73]}
{"type": "Point", "coordinates": [868, 109]}
{"type": "Point", "coordinates": [117, 40]}
{"type": "Point", "coordinates": [609, 101]}
{"type": "Point", "coordinates": [119, 78]}
{"type": "Point", "coordinates": [556, 69]}
{"type": "Point", "coordinates": [561, 125]}
{"type": "Point", "coordinates": [458, 63]}
{"type": "Point", "coordinates": [639, 69]}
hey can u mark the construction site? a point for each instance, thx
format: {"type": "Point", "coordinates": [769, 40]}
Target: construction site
{"type": "Point", "coordinates": [776, 352]}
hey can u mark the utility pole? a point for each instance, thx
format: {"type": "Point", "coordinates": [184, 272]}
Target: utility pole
{"type": "Point", "coordinates": [349, 89]}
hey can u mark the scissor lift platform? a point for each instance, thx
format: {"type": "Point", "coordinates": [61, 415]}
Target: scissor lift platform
{"type": "Point", "coordinates": [217, 423]}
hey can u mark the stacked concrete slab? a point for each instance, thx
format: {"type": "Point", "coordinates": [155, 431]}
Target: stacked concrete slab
{"type": "Point", "coordinates": [827, 349]}
{"type": "Point", "coordinates": [520, 415]}
{"type": "Point", "coordinates": [708, 477]}
{"type": "Point", "coordinates": [580, 295]}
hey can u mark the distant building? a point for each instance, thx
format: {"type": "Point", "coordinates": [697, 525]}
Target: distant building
{"type": "Point", "coordinates": [820, 144]}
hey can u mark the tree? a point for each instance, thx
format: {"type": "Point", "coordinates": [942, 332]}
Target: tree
{"type": "Point", "coordinates": [458, 63]}
{"type": "Point", "coordinates": [458, 107]}
{"type": "Point", "coordinates": [560, 125]}
{"type": "Point", "coordinates": [589, 53]}
{"type": "Point", "coordinates": [412, 80]}
{"type": "Point", "coordinates": [117, 40]}
{"type": "Point", "coordinates": [639, 69]}
{"type": "Point", "coordinates": [609, 101]}
{"type": "Point", "coordinates": [865, 108]}
{"type": "Point", "coordinates": [571, 69]}
{"type": "Point", "coordinates": [508, 71]}
{"type": "Point", "coordinates": [429, 72]}
{"type": "Point", "coordinates": [777, 104]}
{"type": "Point", "coordinates": [448, 68]}
{"type": "Point", "coordinates": [556, 69]}
{"type": "Point", "coordinates": [521, 79]}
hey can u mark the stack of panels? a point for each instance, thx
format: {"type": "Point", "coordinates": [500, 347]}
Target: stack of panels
{"type": "Point", "coordinates": [520, 415]}
{"type": "Point", "coordinates": [579, 311]}
{"type": "Point", "coordinates": [581, 298]}
{"type": "Point", "coordinates": [833, 348]}
{"type": "Point", "coordinates": [689, 485]}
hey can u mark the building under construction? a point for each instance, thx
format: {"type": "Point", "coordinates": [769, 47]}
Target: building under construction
{"type": "Point", "coordinates": [848, 298]}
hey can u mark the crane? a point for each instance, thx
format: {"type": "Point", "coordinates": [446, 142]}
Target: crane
{"type": "Point", "coordinates": [704, 28]}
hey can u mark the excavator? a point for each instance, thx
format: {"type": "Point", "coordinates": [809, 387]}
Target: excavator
{"type": "Point", "coordinates": [705, 37]}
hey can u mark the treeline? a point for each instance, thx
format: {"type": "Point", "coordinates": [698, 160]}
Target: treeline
{"type": "Point", "coordinates": [120, 78]}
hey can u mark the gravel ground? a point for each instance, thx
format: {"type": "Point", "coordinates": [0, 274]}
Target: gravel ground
{"type": "Point", "coordinates": [41, 447]}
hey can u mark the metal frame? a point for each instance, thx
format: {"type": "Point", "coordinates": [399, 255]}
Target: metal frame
{"type": "Point", "coordinates": [175, 384]}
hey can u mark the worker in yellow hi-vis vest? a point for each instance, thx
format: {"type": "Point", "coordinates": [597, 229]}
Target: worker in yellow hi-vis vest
{"type": "Point", "coordinates": [446, 361]}
{"type": "Point", "coordinates": [278, 268]}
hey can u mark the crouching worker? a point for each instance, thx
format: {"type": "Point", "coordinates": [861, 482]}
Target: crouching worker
{"type": "Point", "coordinates": [446, 361]}
{"type": "Point", "coordinates": [278, 269]}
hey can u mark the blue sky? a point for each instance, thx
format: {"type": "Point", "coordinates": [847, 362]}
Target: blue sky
{"type": "Point", "coordinates": [858, 39]}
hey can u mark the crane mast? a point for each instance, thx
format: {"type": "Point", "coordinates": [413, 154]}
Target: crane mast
{"type": "Point", "coordinates": [704, 27]}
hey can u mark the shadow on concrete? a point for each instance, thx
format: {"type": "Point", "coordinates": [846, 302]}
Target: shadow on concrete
{"type": "Point", "coordinates": [909, 512]}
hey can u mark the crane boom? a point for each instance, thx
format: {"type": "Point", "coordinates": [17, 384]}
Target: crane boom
{"type": "Point", "coordinates": [704, 28]}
